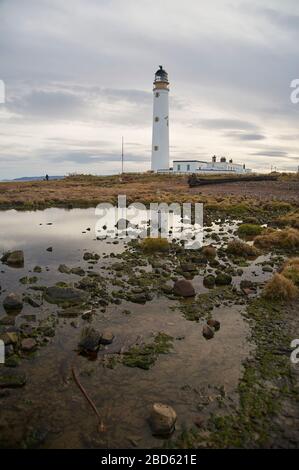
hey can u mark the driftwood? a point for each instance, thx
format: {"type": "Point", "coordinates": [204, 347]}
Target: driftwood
{"type": "Point", "coordinates": [101, 426]}
{"type": "Point", "coordinates": [193, 180]}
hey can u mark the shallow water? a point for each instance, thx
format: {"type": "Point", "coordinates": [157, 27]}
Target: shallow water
{"type": "Point", "coordinates": [51, 405]}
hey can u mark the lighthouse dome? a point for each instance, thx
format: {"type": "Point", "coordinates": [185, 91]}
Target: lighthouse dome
{"type": "Point", "coordinates": [161, 75]}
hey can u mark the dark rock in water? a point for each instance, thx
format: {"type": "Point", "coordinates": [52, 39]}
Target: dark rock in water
{"type": "Point", "coordinates": [10, 378]}
{"type": "Point", "coordinates": [214, 324]}
{"type": "Point", "coordinates": [267, 268]}
{"type": "Point", "coordinates": [188, 267]}
{"type": "Point", "coordinates": [90, 341]}
{"type": "Point", "coordinates": [65, 295]}
{"type": "Point", "coordinates": [162, 419]}
{"type": "Point", "coordinates": [37, 269]}
{"type": "Point", "coordinates": [87, 283]}
{"type": "Point", "coordinates": [137, 298]}
{"type": "Point", "coordinates": [91, 256]}
{"type": "Point", "coordinates": [223, 279]}
{"type": "Point", "coordinates": [184, 288]}
{"type": "Point", "coordinates": [209, 281]}
{"type": "Point", "coordinates": [28, 344]}
{"type": "Point", "coordinates": [78, 271]}
{"type": "Point", "coordinates": [62, 268]}
{"type": "Point", "coordinates": [207, 332]}
{"type": "Point", "coordinates": [71, 312]}
{"type": "Point", "coordinates": [14, 258]}
{"type": "Point", "coordinates": [35, 303]}
{"type": "Point", "coordinates": [247, 287]}
{"type": "Point", "coordinates": [7, 320]}
{"type": "Point", "coordinates": [107, 337]}
{"type": "Point", "coordinates": [50, 249]}
{"type": "Point", "coordinates": [167, 289]}
{"type": "Point", "coordinates": [13, 303]}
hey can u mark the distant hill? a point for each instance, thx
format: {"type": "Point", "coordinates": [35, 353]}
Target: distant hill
{"type": "Point", "coordinates": [35, 178]}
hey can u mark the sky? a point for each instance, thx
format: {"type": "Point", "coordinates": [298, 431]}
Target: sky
{"type": "Point", "coordinates": [78, 76]}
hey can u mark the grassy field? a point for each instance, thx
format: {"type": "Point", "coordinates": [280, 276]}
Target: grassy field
{"type": "Point", "coordinates": [88, 191]}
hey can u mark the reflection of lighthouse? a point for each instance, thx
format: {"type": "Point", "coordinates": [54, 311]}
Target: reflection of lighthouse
{"type": "Point", "coordinates": [160, 144]}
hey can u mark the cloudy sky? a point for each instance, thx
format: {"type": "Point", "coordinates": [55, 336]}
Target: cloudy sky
{"type": "Point", "coordinates": [78, 76]}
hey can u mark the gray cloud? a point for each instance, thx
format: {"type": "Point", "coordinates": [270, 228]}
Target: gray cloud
{"type": "Point", "coordinates": [270, 153]}
{"type": "Point", "coordinates": [225, 123]}
{"type": "Point", "coordinates": [79, 75]}
{"type": "Point", "coordinates": [245, 136]}
{"type": "Point", "coordinates": [87, 158]}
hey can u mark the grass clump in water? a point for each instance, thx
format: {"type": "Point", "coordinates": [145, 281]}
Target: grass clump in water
{"type": "Point", "coordinates": [249, 230]}
{"type": "Point", "coordinates": [280, 288]}
{"type": "Point", "coordinates": [291, 270]}
{"type": "Point", "coordinates": [152, 245]}
{"type": "Point", "coordinates": [144, 356]}
{"type": "Point", "coordinates": [287, 239]}
{"type": "Point", "coordinates": [239, 248]}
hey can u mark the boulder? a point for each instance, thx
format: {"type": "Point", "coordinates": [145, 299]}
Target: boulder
{"type": "Point", "coordinates": [184, 288]}
{"type": "Point", "coordinates": [62, 268]}
{"type": "Point", "coordinates": [14, 258]}
{"type": "Point", "coordinates": [107, 337]}
{"type": "Point", "coordinates": [209, 281]}
{"type": "Point", "coordinates": [188, 267]}
{"type": "Point", "coordinates": [65, 295]}
{"type": "Point", "coordinates": [223, 279]}
{"type": "Point", "coordinates": [78, 271]}
{"type": "Point", "coordinates": [207, 332]}
{"type": "Point", "coordinates": [162, 419]}
{"type": "Point", "coordinates": [214, 324]}
{"type": "Point", "coordinates": [28, 344]}
{"type": "Point", "coordinates": [13, 303]}
{"type": "Point", "coordinates": [90, 341]}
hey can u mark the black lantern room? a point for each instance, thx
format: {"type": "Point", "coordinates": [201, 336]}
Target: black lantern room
{"type": "Point", "coordinates": [161, 75]}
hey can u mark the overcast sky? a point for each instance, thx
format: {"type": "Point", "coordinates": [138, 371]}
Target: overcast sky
{"type": "Point", "coordinates": [79, 73]}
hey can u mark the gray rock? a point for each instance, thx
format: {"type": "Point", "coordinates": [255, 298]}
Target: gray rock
{"type": "Point", "coordinates": [90, 340]}
{"type": "Point", "coordinates": [65, 295]}
{"type": "Point", "coordinates": [162, 419]}
{"type": "Point", "coordinates": [107, 337]}
{"type": "Point", "coordinates": [14, 258]}
{"type": "Point", "coordinates": [78, 271]}
{"type": "Point", "coordinates": [13, 303]}
{"type": "Point", "coordinates": [214, 324]}
{"type": "Point", "coordinates": [207, 332]}
{"type": "Point", "coordinates": [62, 268]}
{"type": "Point", "coordinates": [28, 344]}
{"type": "Point", "coordinates": [184, 288]}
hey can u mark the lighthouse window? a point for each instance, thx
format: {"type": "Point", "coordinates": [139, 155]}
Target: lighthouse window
{"type": "Point", "coordinates": [157, 94]}
{"type": "Point", "coordinates": [156, 119]}
{"type": "Point", "coordinates": [156, 147]}
{"type": "Point", "coordinates": [179, 167]}
{"type": "Point", "coordinates": [188, 167]}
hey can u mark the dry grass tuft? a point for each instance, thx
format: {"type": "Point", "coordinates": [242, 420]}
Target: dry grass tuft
{"type": "Point", "coordinates": [209, 251]}
{"type": "Point", "coordinates": [280, 288]}
{"type": "Point", "coordinates": [291, 270]}
{"type": "Point", "coordinates": [152, 245]}
{"type": "Point", "coordinates": [287, 239]}
{"type": "Point", "coordinates": [242, 249]}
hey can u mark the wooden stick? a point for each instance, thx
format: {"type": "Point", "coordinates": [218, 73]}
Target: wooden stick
{"type": "Point", "coordinates": [82, 389]}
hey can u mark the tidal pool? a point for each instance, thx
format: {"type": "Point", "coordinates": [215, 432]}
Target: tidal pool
{"type": "Point", "coordinates": [50, 411]}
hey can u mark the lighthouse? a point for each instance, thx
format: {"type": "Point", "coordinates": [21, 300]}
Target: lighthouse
{"type": "Point", "coordinates": [160, 142]}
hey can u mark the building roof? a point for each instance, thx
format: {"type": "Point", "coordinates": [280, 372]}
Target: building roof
{"type": "Point", "coordinates": [188, 161]}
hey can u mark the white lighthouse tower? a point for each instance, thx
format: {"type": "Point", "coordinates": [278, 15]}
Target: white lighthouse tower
{"type": "Point", "coordinates": [160, 143]}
